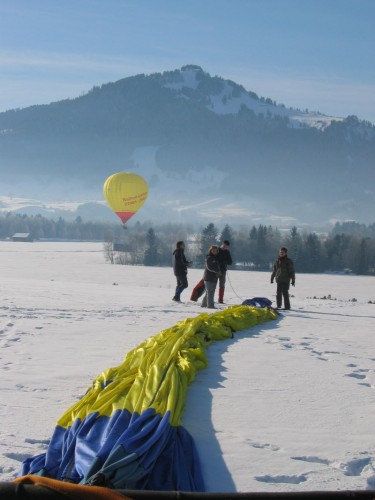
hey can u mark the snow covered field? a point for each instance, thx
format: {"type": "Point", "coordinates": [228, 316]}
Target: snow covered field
{"type": "Point", "coordinates": [287, 406]}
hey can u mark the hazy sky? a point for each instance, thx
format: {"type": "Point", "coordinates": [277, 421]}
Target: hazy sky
{"type": "Point", "coordinates": [315, 54]}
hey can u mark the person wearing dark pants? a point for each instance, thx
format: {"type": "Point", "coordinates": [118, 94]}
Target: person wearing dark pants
{"type": "Point", "coordinates": [225, 260]}
{"type": "Point", "coordinates": [282, 292]}
{"type": "Point", "coordinates": [211, 274]}
{"type": "Point", "coordinates": [180, 265]}
{"type": "Point", "coordinates": [283, 272]}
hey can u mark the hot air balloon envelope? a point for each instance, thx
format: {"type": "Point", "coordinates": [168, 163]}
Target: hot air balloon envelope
{"type": "Point", "coordinates": [125, 193]}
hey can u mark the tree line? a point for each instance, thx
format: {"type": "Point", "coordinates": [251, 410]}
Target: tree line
{"type": "Point", "coordinates": [349, 247]}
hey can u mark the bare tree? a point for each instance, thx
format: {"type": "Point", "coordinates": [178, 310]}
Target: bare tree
{"type": "Point", "coordinates": [109, 254]}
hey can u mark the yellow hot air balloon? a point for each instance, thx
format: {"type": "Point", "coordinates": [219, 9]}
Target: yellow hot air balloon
{"type": "Point", "coordinates": [125, 193]}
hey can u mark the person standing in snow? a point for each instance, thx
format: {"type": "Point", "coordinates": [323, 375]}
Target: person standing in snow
{"type": "Point", "coordinates": [211, 275]}
{"type": "Point", "coordinates": [180, 265]}
{"type": "Point", "coordinates": [225, 260]}
{"type": "Point", "coordinates": [283, 272]}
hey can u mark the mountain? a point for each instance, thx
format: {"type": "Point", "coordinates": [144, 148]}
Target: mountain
{"type": "Point", "coordinates": [210, 150]}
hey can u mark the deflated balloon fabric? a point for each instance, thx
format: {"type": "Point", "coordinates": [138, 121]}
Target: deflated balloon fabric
{"type": "Point", "coordinates": [126, 431]}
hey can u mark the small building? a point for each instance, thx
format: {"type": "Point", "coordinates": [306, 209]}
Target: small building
{"type": "Point", "coordinates": [22, 237]}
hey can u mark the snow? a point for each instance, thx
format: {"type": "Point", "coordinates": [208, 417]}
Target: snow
{"type": "Point", "coordinates": [187, 78]}
{"type": "Point", "coordinates": [226, 103]}
{"type": "Point", "coordinates": [229, 103]}
{"type": "Point", "coordinates": [286, 406]}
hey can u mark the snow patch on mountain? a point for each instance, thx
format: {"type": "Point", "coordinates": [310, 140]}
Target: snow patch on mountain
{"type": "Point", "coordinates": [226, 103]}
{"type": "Point", "coordinates": [298, 119]}
{"type": "Point", "coordinates": [185, 78]}
{"type": "Point", "coordinates": [233, 97]}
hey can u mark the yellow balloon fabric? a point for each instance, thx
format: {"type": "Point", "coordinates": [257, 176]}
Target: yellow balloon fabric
{"type": "Point", "coordinates": [126, 432]}
{"type": "Point", "coordinates": [157, 373]}
{"type": "Point", "coordinates": [125, 193]}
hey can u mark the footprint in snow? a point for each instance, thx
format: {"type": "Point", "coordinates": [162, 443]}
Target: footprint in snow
{"type": "Point", "coordinates": [287, 346]}
{"type": "Point", "coordinates": [312, 460]}
{"type": "Point", "coordinates": [356, 375]}
{"type": "Point", "coordinates": [20, 457]}
{"type": "Point", "coordinates": [355, 467]}
{"type": "Point", "coordinates": [269, 446]}
{"type": "Point", "coordinates": [282, 479]}
{"type": "Point", "coordinates": [41, 442]}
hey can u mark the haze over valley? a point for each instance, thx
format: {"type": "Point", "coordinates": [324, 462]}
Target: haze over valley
{"type": "Point", "coordinates": [209, 148]}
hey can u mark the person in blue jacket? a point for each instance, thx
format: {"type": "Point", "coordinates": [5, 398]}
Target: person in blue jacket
{"type": "Point", "coordinates": [180, 267]}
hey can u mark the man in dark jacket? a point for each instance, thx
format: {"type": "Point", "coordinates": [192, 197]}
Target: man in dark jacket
{"type": "Point", "coordinates": [180, 265]}
{"type": "Point", "coordinates": [283, 271]}
{"type": "Point", "coordinates": [225, 260]}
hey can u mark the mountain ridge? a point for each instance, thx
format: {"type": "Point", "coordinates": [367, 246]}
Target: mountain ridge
{"type": "Point", "coordinates": [187, 131]}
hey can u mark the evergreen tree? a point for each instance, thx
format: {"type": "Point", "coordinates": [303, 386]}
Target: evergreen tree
{"type": "Point", "coordinates": [253, 234]}
{"type": "Point", "coordinates": [61, 228]}
{"type": "Point", "coordinates": [240, 252]}
{"type": "Point", "coordinates": [259, 247]}
{"type": "Point", "coordinates": [227, 234]}
{"type": "Point", "coordinates": [151, 254]}
{"type": "Point", "coordinates": [273, 244]}
{"type": "Point", "coordinates": [208, 237]}
{"type": "Point", "coordinates": [363, 257]}
{"type": "Point", "coordinates": [294, 244]}
{"type": "Point", "coordinates": [337, 251]}
{"type": "Point", "coordinates": [253, 237]}
{"type": "Point", "coordinates": [310, 255]}
{"type": "Point", "coordinates": [359, 261]}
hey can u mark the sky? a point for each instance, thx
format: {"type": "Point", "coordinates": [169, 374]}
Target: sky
{"type": "Point", "coordinates": [311, 55]}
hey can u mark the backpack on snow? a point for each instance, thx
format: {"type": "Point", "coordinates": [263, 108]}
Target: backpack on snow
{"type": "Point", "coordinates": [257, 302]}
{"type": "Point", "coordinates": [198, 291]}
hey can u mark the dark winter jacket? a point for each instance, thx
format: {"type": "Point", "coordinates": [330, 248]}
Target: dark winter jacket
{"type": "Point", "coordinates": [211, 268]}
{"type": "Point", "coordinates": [283, 270]}
{"type": "Point", "coordinates": [225, 259]}
{"type": "Point", "coordinates": [180, 263]}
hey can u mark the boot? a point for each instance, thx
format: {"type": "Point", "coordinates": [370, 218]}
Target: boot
{"type": "Point", "coordinates": [221, 295]}
{"type": "Point", "coordinates": [177, 294]}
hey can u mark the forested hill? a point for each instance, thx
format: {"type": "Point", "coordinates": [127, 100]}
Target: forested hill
{"type": "Point", "coordinates": [185, 129]}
